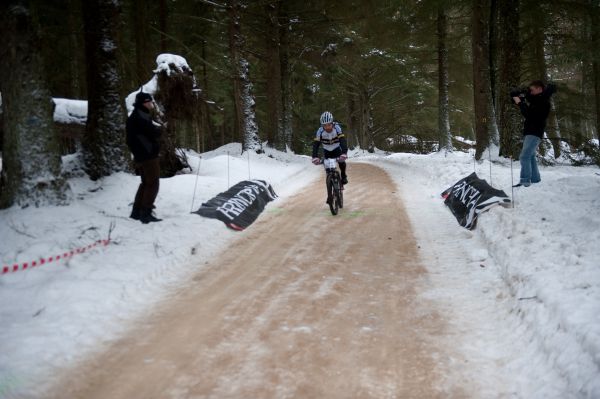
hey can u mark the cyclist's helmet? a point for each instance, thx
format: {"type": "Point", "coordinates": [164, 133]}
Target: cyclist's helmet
{"type": "Point", "coordinates": [326, 117]}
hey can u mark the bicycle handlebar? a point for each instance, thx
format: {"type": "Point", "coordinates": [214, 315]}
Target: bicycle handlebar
{"type": "Point", "coordinates": [322, 160]}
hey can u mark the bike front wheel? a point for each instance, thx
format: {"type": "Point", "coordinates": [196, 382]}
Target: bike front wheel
{"type": "Point", "coordinates": [340, 195]}
{"type": "Point", "coordinates": [332, 196]}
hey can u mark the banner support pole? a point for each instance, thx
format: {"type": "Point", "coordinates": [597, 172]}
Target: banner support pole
{"type": "Point", "coordinates": [196, 183]}
{"type": "Point", "coordinates": [512, 188]}
{"type": "Point", "coordinates": [490, 155]}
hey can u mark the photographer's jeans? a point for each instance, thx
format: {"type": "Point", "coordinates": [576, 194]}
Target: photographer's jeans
{"type": "Point", "coordinates": [529, 169]}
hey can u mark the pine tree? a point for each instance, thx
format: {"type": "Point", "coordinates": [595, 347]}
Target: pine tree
{"type": "Point", "coordinates": [242, 86]}
{"type": "Point", "coordinates": [443, 80]}
{"type": "Point", "coordinates": [31, 172]}
{"type": "Point", "coordinates": [104, 139]}
{"type": "Point", "coordinates": [273, 77]}
{"type": "Point", "coordinates": [287, 129]}
{"type": "Point", "coordinates": [594, 8]}
{"type": "Point", "coordinates": [509, 77]}
{"type": "Point", "coordinates": [481, 75]}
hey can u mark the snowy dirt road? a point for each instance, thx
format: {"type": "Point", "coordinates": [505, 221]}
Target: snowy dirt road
{"type": "Point", "coordinates": [303, 304]}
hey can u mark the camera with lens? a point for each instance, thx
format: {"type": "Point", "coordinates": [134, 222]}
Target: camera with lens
{"type": "Point", "coordinates": [518, 92]}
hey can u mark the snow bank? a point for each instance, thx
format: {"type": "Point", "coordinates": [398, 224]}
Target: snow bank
{"type": "Point", "coordinates": [520, 294]}
{"type": "Point", "coordinates": [54, 314]}
{"type": "Point", "coordinates": [546, 303]}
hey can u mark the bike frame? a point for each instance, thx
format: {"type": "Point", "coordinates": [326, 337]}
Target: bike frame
{"type": "Point", "coordinates": [334, 185]}
{"type": "Point", "coordinates": [330, 164]}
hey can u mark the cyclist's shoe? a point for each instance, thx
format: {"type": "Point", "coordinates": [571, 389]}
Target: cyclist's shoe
{"type": "Point", "coordinates": [344, 180]}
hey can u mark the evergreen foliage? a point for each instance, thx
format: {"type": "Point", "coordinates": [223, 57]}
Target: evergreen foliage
{"type": "Point", "coordinates": [397, 74]}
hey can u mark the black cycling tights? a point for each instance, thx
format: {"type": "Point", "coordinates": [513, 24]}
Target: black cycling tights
{"type": "Point", "coordinates": [342, 168]}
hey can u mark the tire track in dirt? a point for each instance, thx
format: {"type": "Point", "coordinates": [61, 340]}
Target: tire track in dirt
{"type": "Point", "coordinates": [303, 305]}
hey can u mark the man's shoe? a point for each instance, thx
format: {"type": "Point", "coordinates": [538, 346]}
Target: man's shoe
{"type": "Point", "coordinates": [344, 180]}
{"type": "Point", "coordinates": [146, 216]}
{"type": "Point", "coordinates": [135, 213]}
{"type": "Point", "coordinates": [521, 185]}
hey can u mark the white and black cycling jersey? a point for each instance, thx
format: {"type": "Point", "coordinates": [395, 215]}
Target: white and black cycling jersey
{"type": "Point", "coordinates": [330, 140]}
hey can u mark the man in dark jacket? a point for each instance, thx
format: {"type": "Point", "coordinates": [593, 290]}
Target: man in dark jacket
{"type": "Point", "coordinates": [143, 142]}
{"type": "Point", "coordinates": [535, 110]}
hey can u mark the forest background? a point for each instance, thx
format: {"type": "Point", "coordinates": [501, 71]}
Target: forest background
{"type": "Point", "coordinates": [398, 75]}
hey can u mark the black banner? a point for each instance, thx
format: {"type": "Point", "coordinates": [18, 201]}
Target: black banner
{"type": "Point", "coordinates": [239, 206]}
{"type": "Point", "coordinates": [471, 196]}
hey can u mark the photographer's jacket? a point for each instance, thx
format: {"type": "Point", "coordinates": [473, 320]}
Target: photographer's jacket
{"type": "Point", "coordinates": [142, 135]}
{"type": "Point", "coordinates": [535, 111]}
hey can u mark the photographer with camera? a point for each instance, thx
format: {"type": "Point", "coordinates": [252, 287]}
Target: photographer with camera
{"type": "Point", "coordinates": [534, 104]}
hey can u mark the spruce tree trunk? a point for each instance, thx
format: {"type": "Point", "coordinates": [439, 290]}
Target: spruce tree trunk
{"type": "Point", "coordinates": [275, 135]}
{"type": "Point", "coordinates": [208, 129]}
{"type": "Point", "coordinates": [367, 139]}
{"type": "Point", "coordinates": [595, 19]}
{"type": "Point", "coordinates": [362, 119]}
{"type": "Point", "coordinates": [163, 12]}
{"type": "Point", "coordinates": [104, 139]}
{"type": "Point", "coordinates": [351, 110]}
{"type": "Point", "coordinates": [143, 54]}
{"type": "Point", "coordinates": [481, 74]}
{"type": "Point", "coordinates": [76, 61]}
{"type": "Point", "coordinates": [445, 137]}
{"type": "Point", "coordinates": [371, 132]}
{"type": "Point", "coordinates": [552, 126]}
{"type": "Point", "coordinates": [242, 87]}
{"type": "Point", "coordinates": [287, 103]}
{"type": "Point", "coordinates": [509, 116]}
{"type": "Point", "coordinates": [31, 165]}
{"type": "Point", "coordinates": [492, 126]}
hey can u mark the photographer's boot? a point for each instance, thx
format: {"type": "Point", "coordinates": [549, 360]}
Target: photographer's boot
{"type": "Point", "coordinates": [146, 216]}
{"type": "Point", "coordinates": [135, 213]}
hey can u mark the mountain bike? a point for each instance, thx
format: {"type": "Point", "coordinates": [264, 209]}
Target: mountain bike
{"type": "Point", "coordinates": [335, 188]}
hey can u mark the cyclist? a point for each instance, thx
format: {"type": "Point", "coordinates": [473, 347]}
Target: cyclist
{"type": "Point", "coordinates": [334, 143]}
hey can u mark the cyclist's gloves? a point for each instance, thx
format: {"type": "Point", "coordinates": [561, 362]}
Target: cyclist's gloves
{"type": "Point", "coordinates": [342, 158]}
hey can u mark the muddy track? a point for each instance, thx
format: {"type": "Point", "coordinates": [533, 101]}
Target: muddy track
{"type": "Point", "coordinates": [303, 305]}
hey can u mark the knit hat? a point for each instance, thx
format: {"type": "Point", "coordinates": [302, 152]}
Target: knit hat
{"type": "Point", "coordinates": [142, 97]}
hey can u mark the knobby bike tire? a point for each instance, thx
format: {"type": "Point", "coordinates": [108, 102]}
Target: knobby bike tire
{"type": "Point", "coordinates": [332, 196]}
{"type": "Point", "coordinates": [340, 192]}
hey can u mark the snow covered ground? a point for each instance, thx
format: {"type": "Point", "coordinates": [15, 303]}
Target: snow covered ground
{"type": "Point", "coordinates": [52, 314]}
{"type": "Point", "coordinates": [521, 292]}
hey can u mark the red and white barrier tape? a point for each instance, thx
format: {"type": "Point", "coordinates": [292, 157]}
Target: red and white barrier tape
{"type": "Point", "coordinates": [28, 265]}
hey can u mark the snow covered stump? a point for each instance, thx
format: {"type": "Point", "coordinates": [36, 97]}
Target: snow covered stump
{"type": "Point", "coordinates": [180, 104]}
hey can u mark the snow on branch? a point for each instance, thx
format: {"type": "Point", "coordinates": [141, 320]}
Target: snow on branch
{"type": "Point", "coordinates": [70, 112]}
